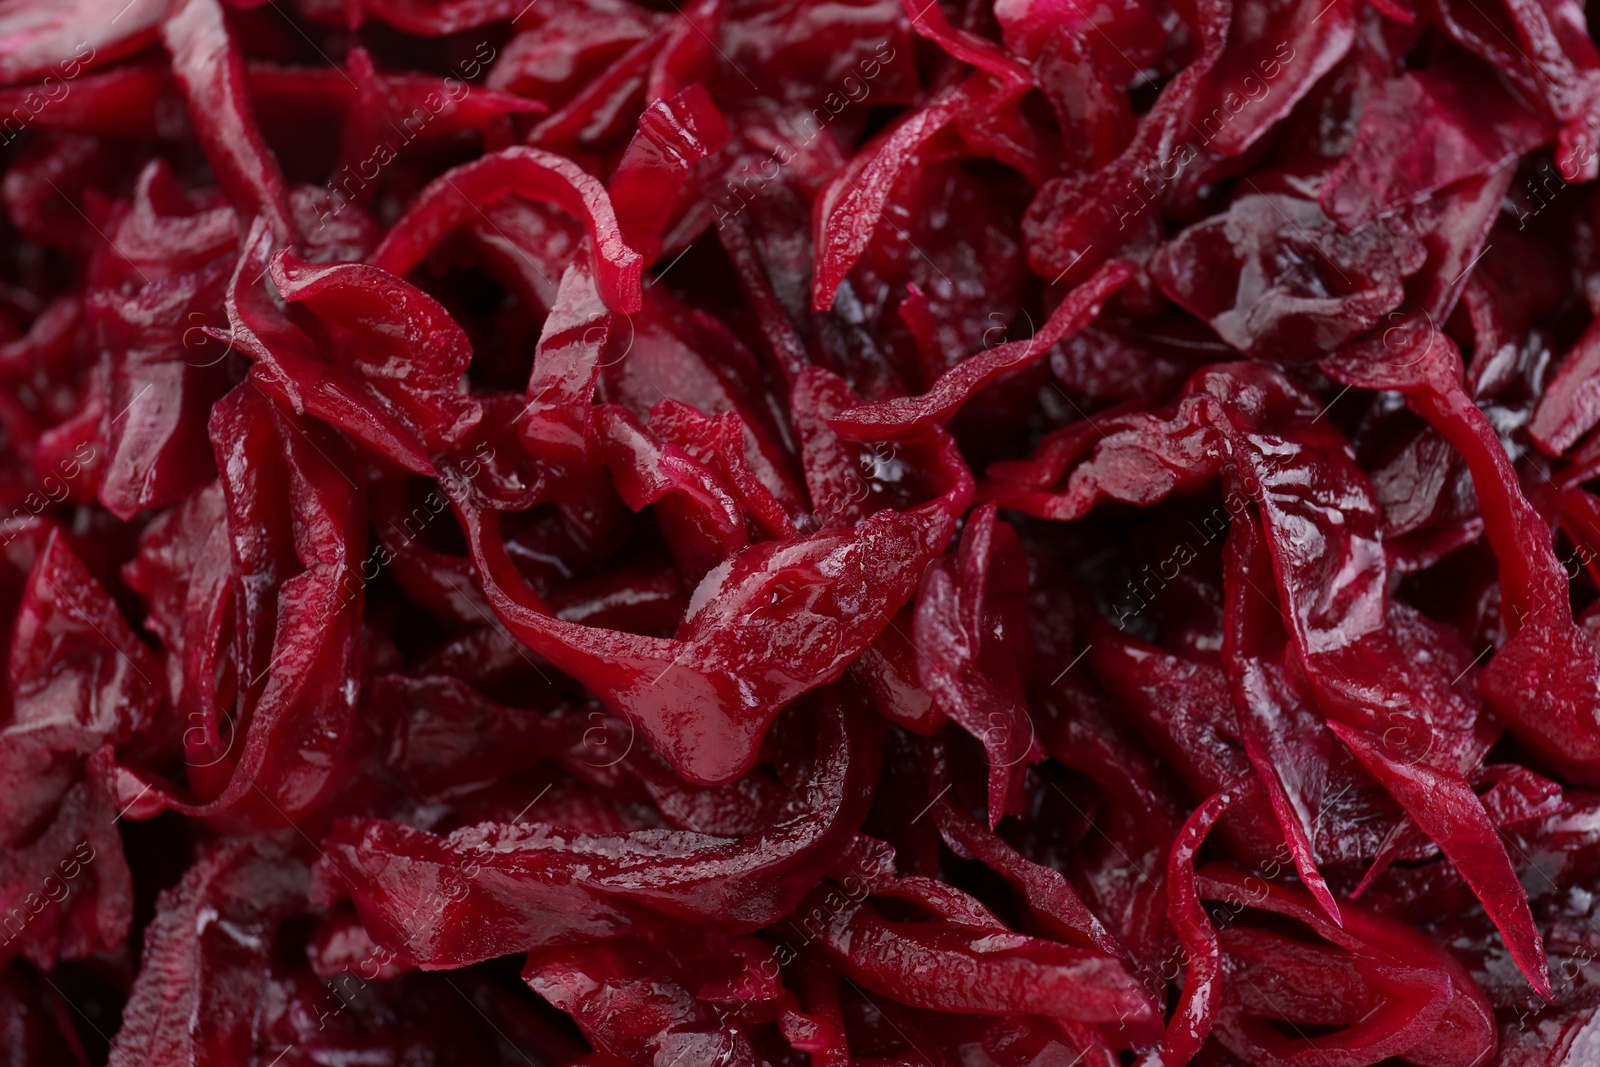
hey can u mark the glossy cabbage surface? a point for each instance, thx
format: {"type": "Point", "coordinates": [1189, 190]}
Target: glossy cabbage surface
{"type": "Point", "coordinates": [784, 533]}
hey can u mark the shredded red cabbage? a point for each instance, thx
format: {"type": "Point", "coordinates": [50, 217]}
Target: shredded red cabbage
{"type": "Point", "coordinates": [753, 534]}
